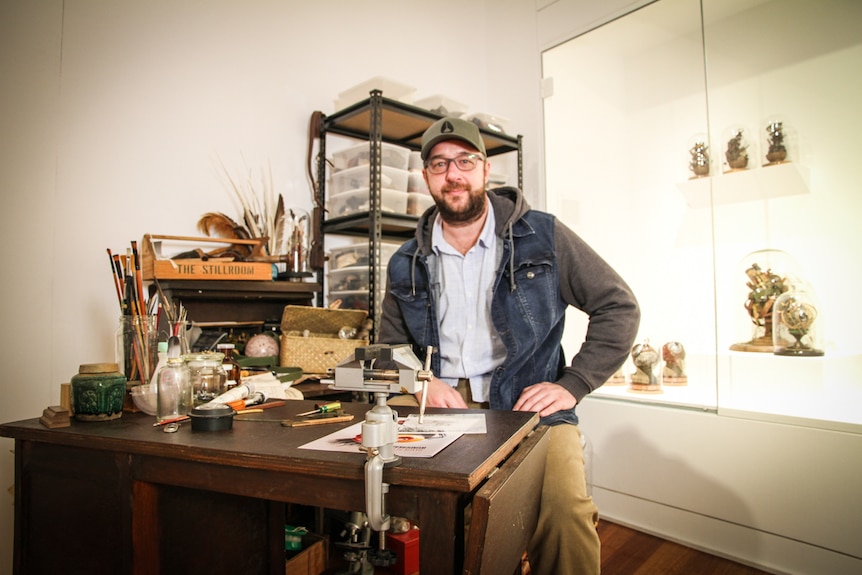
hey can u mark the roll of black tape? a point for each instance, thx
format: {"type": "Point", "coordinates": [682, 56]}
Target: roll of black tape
{"type": "Point", "coordinates": [212, 417]}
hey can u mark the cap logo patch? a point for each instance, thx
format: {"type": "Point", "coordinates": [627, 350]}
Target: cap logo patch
{"type": "Point", "coordinates": [447, 128]}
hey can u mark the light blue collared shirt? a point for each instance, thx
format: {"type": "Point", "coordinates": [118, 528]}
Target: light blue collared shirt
{"type": "Point", "coordinates": [469, 344]}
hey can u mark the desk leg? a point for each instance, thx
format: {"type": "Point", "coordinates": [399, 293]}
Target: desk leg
{"type": "Point", "coordinates": [441, 543]}
{"type": "Point", "coordinates": [145, 529]}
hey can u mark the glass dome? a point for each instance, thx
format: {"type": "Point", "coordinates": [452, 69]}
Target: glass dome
{"type": "Point", "coordinates": [796, 323]}
{"type": "Point", "coordinates": [769, 273]}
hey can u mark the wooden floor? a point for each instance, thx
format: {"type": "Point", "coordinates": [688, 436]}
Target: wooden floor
{"type": "Point", "coordinates": [629, 552]}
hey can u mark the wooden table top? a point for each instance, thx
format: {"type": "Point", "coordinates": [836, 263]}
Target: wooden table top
{"type": "Point", "coordinates": [267, 445]}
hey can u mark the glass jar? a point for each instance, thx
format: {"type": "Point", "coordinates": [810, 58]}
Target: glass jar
{"type": "Point", "coordinates": [98, 392]}
{"type": "Point", "coordinates": [208, 376]}
{"type": "Point", "coordinates": [137, 347]}
{"type": "Point", "coordinates": [294, 247]}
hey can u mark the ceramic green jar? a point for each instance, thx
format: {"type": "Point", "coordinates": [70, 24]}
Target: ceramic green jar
{"type": "Point", "coordinates": [98, 392]}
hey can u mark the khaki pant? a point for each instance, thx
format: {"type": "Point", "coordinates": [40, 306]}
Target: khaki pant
{"type": "Point", "coordinates": [566, 541]}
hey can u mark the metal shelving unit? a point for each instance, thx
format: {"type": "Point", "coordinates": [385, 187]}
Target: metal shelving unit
{"type": "Point", "coordinates": [377, 120]}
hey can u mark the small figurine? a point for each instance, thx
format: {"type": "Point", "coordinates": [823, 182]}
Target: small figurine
{"type": "Point", "coordinates": [699, 159]}
{"type": "Point", "coordinates": [618, 378]}
{"type": "Point", "coordinates": [737, 157]}
{"type": "Point", "coordinates": [673, 373]}
{"type": "Point", "coordinates": [776, 153]}
{"type": "Point", "coordinates": [645, 359]}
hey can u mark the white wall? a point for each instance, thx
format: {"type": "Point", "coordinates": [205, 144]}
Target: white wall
{"type": "Point", "coordinates": [113, 114]}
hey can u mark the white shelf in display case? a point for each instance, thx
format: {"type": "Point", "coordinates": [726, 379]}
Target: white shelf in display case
{"type": "Point", "coordinates": [760, 183]}
{"type": "Point", "coordinates": [826, 391]}
{"type": "Point", "coordinates": [699, 393]}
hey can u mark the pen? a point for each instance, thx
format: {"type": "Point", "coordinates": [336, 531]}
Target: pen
{"type": "Point", "coordinates": [174, 420]}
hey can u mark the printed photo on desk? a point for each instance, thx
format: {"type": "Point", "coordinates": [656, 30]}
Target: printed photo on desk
{"type": "Point", "coordinates": [410, 444]}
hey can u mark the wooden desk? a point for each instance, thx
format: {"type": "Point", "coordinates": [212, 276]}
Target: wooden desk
{"type": "Point", "coordinates": [124, 497]}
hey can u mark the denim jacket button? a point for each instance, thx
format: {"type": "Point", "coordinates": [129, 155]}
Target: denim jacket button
{"type": "Point", "coordinates": [530, 275]}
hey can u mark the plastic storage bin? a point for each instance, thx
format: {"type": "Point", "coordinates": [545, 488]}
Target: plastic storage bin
{"type": "Point", "coordinates": [347, 279]}
{"type": "Point", "coordinates": [357, 255]}
{"type": "Point", "coordinates": [350, 279]}
{"type": "Point", "coordinates": [391, 89]}
{"type": "Point", "coordinates": [351, 299]}
{"type": "Point", "coordinates": [491, 123]}
{"type": "Point", "coordinates": [415, 162]}
{"type": "Point", "coordinates": [390, 155]}
{"type": "Point", "coordinates": [416, 183]}
{"type": "Point", "coordinates": [417, 203]}
{"type": "Point", "coordinates": [360, 176]}
{"type": "Point", "coordinates": [442, 105]}
{"type": "Point", "coordinates": [357, 201]}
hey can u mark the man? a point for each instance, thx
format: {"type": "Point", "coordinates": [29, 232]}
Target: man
{"type": "Point", "coordinates": [486, 281]}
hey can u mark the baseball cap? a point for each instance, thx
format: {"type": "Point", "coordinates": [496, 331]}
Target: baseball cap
{"type": "Point", "coordinates": [451, 129]}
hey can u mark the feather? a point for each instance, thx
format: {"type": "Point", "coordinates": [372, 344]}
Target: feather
{"type": "Point", "coordinates": [278, 228]}
{"type": "Point", "coordinates": [218, 225]}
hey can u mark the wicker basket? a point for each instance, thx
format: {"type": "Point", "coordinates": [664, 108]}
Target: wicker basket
{"type": "Point", "coordinates": [321, 349]}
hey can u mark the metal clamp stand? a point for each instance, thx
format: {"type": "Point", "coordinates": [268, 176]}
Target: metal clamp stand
{"type": "Point", "coordinates": [382, 369]}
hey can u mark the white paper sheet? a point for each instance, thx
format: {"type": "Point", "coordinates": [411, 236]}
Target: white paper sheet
{"type": "Point", "coordinates": [410, 444]}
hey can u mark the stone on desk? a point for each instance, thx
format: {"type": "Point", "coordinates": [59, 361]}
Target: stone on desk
{"type": "Point", "coordinates": [55, 416]}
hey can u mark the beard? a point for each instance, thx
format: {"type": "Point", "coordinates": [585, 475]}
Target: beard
{"type": "Point", "coordinates": [460, 213]}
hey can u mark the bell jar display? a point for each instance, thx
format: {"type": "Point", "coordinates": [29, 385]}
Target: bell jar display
{"type": "Point", "coordinates": [795, 330]}
{"type": "Point", "coordinates": [699, 162]}
{"type": "Point", "coordinates": [767, 273]}
{"type": "Point", "coordinates": [646, 377]}
{"type": "Point", "coordinates": [777, 140]}
{"type": "Point", "coordinates": [737, 149]}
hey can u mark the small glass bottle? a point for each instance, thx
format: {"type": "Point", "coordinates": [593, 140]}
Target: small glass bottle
{"type": "Point", "coordinates": [230, 365]}
{"type": "Point", "coordinates": [162, 361]}
{"type": "Point", "coordinates": [174, 387]}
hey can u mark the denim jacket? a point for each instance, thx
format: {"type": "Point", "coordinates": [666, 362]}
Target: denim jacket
{"type": "Point", "coordinates": [544, 267]}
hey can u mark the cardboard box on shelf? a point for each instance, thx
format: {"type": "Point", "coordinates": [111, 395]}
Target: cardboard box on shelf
{"type": "Point", "coordinates": [312, 559]}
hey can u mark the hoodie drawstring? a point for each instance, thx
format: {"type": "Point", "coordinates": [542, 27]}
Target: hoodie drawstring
{"type": "Point", "coordinates": [413, 271]}
{"type": "Point", "coordinates": [511, 259]}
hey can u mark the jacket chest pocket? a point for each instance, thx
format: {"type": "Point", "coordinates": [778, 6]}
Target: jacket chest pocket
{"type": "Point", "coordinates": [537, 291]}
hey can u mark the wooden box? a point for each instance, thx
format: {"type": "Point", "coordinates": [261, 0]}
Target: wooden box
{"type": "Point", "coordinates": [155, 266]}
{"type": "Point", "coordinates": [309, 337]}
{"type": "Point", "coordinates": [311, 560]}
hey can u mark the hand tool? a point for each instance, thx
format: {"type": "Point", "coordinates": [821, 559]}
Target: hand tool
{"type": "Point", "coordinates": [327, 418]}
{"type": "Point", "coordinates": [323, 408]}
{"type": "Point", "coordinates": [239, 407]}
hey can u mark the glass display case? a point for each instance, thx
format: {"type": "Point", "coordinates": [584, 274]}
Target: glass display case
{"type": "Point", "coordinates": [775, 112]}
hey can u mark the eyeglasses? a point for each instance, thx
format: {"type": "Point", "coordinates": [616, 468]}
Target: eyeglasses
{"type": "Point", "coordinates": [465, 163]}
